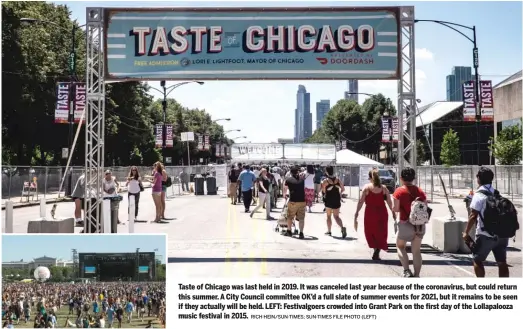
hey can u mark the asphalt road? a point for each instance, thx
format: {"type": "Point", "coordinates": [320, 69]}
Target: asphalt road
{"type": "Point", "coordinates": [208, 237]}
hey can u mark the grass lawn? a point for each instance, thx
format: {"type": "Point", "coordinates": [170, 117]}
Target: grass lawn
{"type": "Point", "coordinates": [61, 315]}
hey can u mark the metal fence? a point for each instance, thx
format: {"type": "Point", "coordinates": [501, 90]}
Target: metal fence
{"type": "Point", "coordinates": [457, 180]}
{"type": "Point", "coordinates": [44, 182]}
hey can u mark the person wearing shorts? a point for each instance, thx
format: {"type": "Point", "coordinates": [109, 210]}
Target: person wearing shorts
{"type": "Point", "coordinates": [318, 174]}
{"type": "Point", "coordinates": [485, 242]}
{"type": "Point", "coordinates": [296, 205]}
{"type": "Point", "coordinates": [157, 191]}
{"type": "Point", "coordinates": [402, 199]}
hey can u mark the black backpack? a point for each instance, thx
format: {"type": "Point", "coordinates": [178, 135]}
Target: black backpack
{"type": "Point", "coordinates": [168, 182]}
{"type": "Point", "coordinates": [500, 217]}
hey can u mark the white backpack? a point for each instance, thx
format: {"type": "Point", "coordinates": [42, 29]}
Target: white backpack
{"type": "Point", "coordinates": [419, 212]}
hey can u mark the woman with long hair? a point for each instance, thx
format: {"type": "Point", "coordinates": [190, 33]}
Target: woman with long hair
{"type": "Point", "coordinates": [375, 219]}
{"type": "Point", "coordinates": [164, 189]}
{"type": "Point", "coordinates": [157, 190]}
{"type": "Point", "coordinates": [308, 177]}
{"type": "Point", "coordinates": [332, 188]}
{"type": "Point", "coordinates": [134, 187]}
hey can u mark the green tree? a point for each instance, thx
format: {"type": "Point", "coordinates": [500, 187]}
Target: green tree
{"type": "Point", "coordinates": [421, 152]}
{"type": "Point", "coordinates": [507, 146]}
{"type": "Point", "coordinates": [56, 274]}
{"type": "Point", "coordinates": [346, 121]}
{"type": "Point", "coordinates": [160, 272]}
{"type": "Point", "coordinates": [374, 109]}
{"type": "Point", "coordinates": [450, 154]}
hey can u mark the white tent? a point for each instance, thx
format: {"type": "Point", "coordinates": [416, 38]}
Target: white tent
{"type": "Point", "coordinates": [348, 157]}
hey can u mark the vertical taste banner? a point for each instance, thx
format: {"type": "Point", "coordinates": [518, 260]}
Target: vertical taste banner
{"type": "Point", "coordinates": [206, 143]}
{"type": "Point", "coordinates": [469, 101]}
{"type": "Point", "coordinates": [61, 112]}
{"type": "Point", "coordinates": [169, 133]}
{"type": "Point", "coordinates": [200, 142]}
{"type": "Point", "coordinates": [395, 129]}
{"type": "Point", "coordinates": [487, 101]}
{"type": "Point", "coordinates": [385, 130]}
{"type": "Point", "coordinates": [159, 135]}
{"type": "Point", "coordinates": [80, 98]}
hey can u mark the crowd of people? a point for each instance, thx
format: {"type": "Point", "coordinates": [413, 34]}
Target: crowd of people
{"type": "Point", "coordinates": [84, 305]}
{"type": "Point", "coordinates": [407, 203]}
{"type": "Point", "coordinates": [158, 178]}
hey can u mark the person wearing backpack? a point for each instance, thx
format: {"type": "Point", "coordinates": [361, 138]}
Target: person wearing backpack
{"type": "Point", "coordinates": [411, 203]}
{"type": "Point", "coordinates": [496, 222]}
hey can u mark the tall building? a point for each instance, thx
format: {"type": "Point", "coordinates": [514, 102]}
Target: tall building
{"type": "Point", "coordinates": [455, 80]}
{"type": "Point", "coordinates": [352, 90]}
{"type": "Point", "coordinates": [302, 115]}
{"type": "Point", "coordinates": [322, 108]}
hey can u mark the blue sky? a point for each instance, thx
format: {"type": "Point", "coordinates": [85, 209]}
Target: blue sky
{"type": "Point", "coordinates": [438, 49]}
{"type": "Point", "coordinates": [27, 247]}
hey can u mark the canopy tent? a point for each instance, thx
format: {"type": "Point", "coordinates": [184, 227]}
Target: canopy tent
{"type": "Point", "coordinates": [348, 157]}
{"type": "Point", "coordinates": [284, 153]}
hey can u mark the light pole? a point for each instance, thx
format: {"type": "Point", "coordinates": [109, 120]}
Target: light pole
{"type": "Point", "coordinates": [241, 137]}
{"type": "Point", "coordinates": [166, 91]}
{"type": "Point", "coordinates": [475, 63]}
{"type": "Point", "coordinates": [224, 119]}
{"type": "Point", "coordinates": [230, 131]}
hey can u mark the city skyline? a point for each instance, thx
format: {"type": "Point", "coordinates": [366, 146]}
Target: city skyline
{"type": "Point", "coordinates": [455, 80]}
{"type": "Point", "coordinates": [303, 115]}
{"type": "Point", "coordinates": [60, 246]}
{"type": "Point", "coordinates": [322, 108]}
{"type": "Point", "coordinates": [433, 64]}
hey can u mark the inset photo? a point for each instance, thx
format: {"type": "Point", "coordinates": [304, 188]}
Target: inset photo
{"type": "Point", "coordinates": [84, 281]}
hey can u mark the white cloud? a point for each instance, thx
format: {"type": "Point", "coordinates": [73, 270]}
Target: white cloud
{"type": "Point", "coordinates": [424, 54]}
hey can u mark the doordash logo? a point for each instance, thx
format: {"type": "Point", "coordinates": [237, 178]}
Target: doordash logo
{"type": "Point", "coordinates": [322, 60]}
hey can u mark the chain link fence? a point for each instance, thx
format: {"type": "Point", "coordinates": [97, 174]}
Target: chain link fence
{"type": "Point", "coordinates": [44, 182]}
{"type": "Point", "coordinates": [29, 184]}
{"type": "Point", "coordinates": [458, 181]}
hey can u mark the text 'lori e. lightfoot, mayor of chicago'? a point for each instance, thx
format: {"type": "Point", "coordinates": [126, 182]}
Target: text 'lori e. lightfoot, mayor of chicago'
{"type": "Point", "coordinates": [266, 39]}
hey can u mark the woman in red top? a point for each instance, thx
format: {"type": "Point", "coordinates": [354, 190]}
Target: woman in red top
{"type": "Point", "coordinates": [403, 198]}
{"type": "Point", "coordinates": [374, 195]}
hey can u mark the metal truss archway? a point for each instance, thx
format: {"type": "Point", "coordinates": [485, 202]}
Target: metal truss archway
{"type": "Point", "coordinates": [95, 110]}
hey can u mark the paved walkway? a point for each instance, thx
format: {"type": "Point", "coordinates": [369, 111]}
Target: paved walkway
{"type": "Point", "coordinates": [208, 237]}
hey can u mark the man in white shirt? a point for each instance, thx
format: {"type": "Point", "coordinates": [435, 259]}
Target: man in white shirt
{"type": "Point", "coordinates": [485, 242]}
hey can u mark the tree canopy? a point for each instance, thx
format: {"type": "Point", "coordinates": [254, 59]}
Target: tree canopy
{"type": "Point", "coordinates": [507, 146]}
{"type": "Point", "coordinates": [450, 154]}
{"type": "Point", "coordinates": [360, 125]}
{"type": "Point", "coordinates": [35, 58]}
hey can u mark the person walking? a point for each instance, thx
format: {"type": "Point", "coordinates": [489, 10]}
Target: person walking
{"type": "Point", "coordinates": [375, 219]}
{"type": "Point", "coordinates": [247, 180]}
{"type": "Point", "coordinates": [402, 199]}
{"type": "Point", "coordinates": [233, 184]}
{"type": "Point", "coordinates": [78, 196]}
{"type": "Point", "coordinates": [308, 177]}
{"type": "Point", "coordinates": [263, 183]}
{"type": "Point", "coordinates": [134, 187]}
{"type": "Point", "coordinates": [318, 174]}
{"type": "Point", "coordinates": [296, 205]}
{"type": "Point", "coordinates": [332, 188]}
{"type": "Point", "coordinates": [492, 234]}
{"type": "Point", "coordinates": [239, 170]}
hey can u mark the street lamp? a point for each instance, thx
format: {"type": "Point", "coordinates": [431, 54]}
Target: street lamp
{"type": "Point", "coordinates": [225, 119]}
{"type": "Point", "coordinates": [475, 63]}
{"type": "Point", "coordinates": [241, 137]}
{"type": "Point", "coordinates": [166, 91]}
{"type": "Point", "coordinates": [229, 131]}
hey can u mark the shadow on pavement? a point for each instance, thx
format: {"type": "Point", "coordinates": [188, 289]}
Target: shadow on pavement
{"type": "Point", "coordinates": [391, 262]}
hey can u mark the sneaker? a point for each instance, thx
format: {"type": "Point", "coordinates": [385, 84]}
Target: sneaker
{"type": "Point", "coordinates": [407, 274]}
{"type": "Point", "coordinates": [328, 233]}
{"type": "Point", "coordinates": [302, 236]}
{"type": "Point", "coordinates": [288, 233]}
{"type": "Point", "coordinates": [247, 210]}
{"type": "Point", "coordinates": [252, 214]}
{"type": "Point", "coordinates": [344, 232]}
